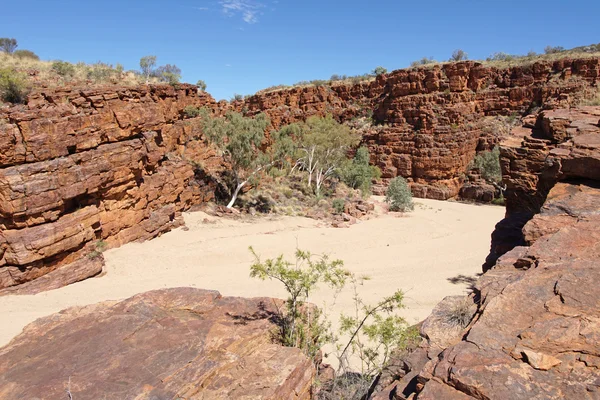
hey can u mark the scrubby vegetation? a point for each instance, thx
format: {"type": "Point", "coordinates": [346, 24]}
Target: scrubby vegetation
{"type": "Point", "coordinates": [239, 141]}
{"type": "Point", "coordinates": [13, 86]}
{"type": "Point", "coordinates": [488, 163]}
{"type": "Point", "coordinates": [358, 173]}
{"type": "Point", "coordinates": [399, 196]}
{"type": "Point", "coordinates": [369, 335]}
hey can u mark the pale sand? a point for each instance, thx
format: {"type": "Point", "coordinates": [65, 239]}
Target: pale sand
{"type": "Point", "coordinates": [415, 252]}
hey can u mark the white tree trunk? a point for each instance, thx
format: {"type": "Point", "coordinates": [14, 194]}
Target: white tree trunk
{"type": "Point", "coordinates": [236, 193]}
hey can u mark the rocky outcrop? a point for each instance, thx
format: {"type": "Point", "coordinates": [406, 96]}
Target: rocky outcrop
{"type": "Point", "coordinates": [432, 121]}
{"type": "Point", "coordinates": [533, 331]}
{"type": "Point", "coordinates": [86, 169]}
{"type": "Point", "coordinates": [552, 146]}
{"type": "Point", "coordinates": [176, 343]}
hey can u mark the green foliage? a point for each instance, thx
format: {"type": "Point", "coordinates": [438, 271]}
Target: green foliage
{"type": "Point", "coordinates": [374, 331]}
{"type": "Point", "coordinates": [459, 55]}
{"type": "Point", "coordinates": [100, 72]}
{"type": "Point", "coordinates": [201, 85]}
{"type": "Point", "coordinates": [25, 54]}
{"type": "Point", "coordinates": [168, 73]}
{"type": "Point", "coordinates": [422, 61]}
{"type": "Point", "coordinates": [379, 71]}
{"type": "Point", "coordinates": [63, 68]}
{"type": "Point", "coordinates": [488, 163]}
{"type": "Point", "coordinates": [147, 64]}
{"type": "Point", "coordinates": [119, 68]}
{"type": "Point", "coordinates": [8, 45]}
{"type": "Point", "coordinates": [399, 196]}
{"type": "Point", "coordinates": [192, 112]}
{"type": "Point", "coordinates": [338, 205]}
{"type": "Point", "coordinates": [358, 173]}
{"type": "Point", "coordinates": [500, 56]}
{"type": "Point", "coordinates": [323, 148]}
{"type": "Point", "coordinates": [237, 97]}
{"type": "Point", "coordinates": [553, 49]}
{"type": "Point", "coordinates": [298, 327]}
{"type": "Point", "coordinates": [239, 139]}
{"type": "Point", "coordinates": [13, 88]}
{"type": "Point", "coordinates": [100, 247]}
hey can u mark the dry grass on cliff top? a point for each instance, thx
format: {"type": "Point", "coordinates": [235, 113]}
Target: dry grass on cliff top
{"type": "Point", "coordinates": [41, 73]}
{"type": "Point", "coordinates": [513, 61]}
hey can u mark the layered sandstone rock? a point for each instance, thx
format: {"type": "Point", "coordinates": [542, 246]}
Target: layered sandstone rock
{"type": "Point", "coordinates": [534, 330]}
{"type": "Point", "coordinates": [88, 168]}
{"type": "Point", "coordinates": [433, 120]}
{"type": "Point", "coordinates": [554, 145]}
{"type": "Point", "coordinates": [175, 343]}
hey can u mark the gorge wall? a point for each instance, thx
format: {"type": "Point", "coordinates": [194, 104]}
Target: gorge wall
{"type": "Point", "coordinates": [82, 169]}
{"type": "Point", "coordinates": [535, 314]}
{"type": "Point", "coordinates": [432, 121]}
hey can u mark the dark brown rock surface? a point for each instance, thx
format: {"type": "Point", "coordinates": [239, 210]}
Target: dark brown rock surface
{"type": "Point", "coordinates": [168, 344]}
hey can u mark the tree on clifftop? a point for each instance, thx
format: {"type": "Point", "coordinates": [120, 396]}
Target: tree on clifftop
{"type": "Point", "coordinates": [8, 45]}
{"type": "Point", "coordinates": [239, 139]}
{"type": "Point", "coordinates": [147, 64]}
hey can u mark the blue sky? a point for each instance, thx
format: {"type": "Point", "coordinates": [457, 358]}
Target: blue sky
{"type": "Point", "coordinates": [241, 46]}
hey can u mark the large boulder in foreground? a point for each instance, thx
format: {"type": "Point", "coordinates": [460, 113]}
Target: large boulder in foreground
{"type": "Point", "coordinates": [178, 343]}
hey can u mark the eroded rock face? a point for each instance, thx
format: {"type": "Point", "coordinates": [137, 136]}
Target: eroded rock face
{"type": "Point", "coordinates": [552, 146]}
{"type": "Point", "coordinates": [534, 334]}
{"type": "Point", "coordinates": [87, 168]}
{"type": "Point", "coordinates": [174, 343]}
{"type": "Point", "coordinates": [433, 120]}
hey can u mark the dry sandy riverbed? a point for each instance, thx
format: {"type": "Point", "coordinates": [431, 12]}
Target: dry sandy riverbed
{"type": "Point", "coordinates": [417, 252]}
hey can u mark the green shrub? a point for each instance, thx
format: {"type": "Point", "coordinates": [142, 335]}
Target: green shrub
{"type": "Point", "coordinates": [399, 196]}
{"type": "Point", "coordinates": [358, 174]}
{"type": "Point", "coordinates": [301, 325]}
{"type": "Point", "coordinates": [8, 45]}
{"type": "Point", "coordinates": [237, 97]}
{"type": "Point", "coordinates": [459, 55]}
{"type": "Point", "coordinates": [422, 61]}
{"type": "Point", "coordinates": [553, 49]}
{"type": "Point", "coordinates": [488, 163]}
{"type": "Point", "coordinates": [13, 88]}
{"type": "Point", "coordinates": [63, 68]}
{"type": "Point", "coordinates": [192, 112]}
{"type": "Point", "coordinates": [379, 71]}
{"type": "Point", "coordinates": [26, 54]}
{"type": "Point", "coordinates": [201, 85]}
{"type": "Point", "coordinates": [100, 72]}
{"type": "Point", "coordinates": [338, 205]}
{"type": "Point", "coordinates": [500, 56]}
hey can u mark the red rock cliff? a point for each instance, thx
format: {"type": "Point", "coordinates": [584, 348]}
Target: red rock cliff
{"type": "Point", "coordinates": [87, 168]}
{"type": "Point", "coordinates": [433, 120]}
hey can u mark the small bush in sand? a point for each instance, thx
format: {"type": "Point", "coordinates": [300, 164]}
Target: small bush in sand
{"type": "Point", "coordinates": [298, 327]}
{"type": "Point", "coordinates": [13, 88]}
{"type": "Point", "coordinates": [373, 330]}
{"type": "Point", "coordinates": [399, 196]}
{"type": "Point", "coordinates": [358, 173]}
{"type": "Point", "coordinates": [338, 205]}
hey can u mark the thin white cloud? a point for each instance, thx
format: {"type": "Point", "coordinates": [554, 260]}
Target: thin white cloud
{"type": "Point", "coordinates": [202, 8]}
{"type": "Point", "coordinates": [248, 9]}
